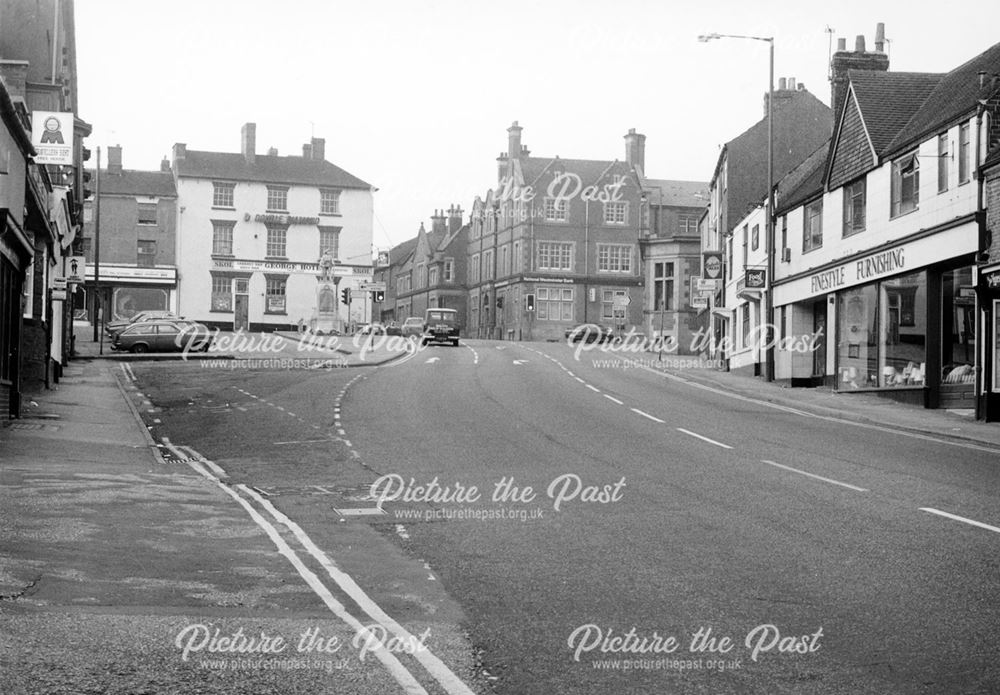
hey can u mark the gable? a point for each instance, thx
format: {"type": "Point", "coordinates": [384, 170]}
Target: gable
{"type": "Point", "coordinates": [852, 153]}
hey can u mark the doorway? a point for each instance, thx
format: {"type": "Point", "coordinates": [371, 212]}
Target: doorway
{"type": "Point", "coordinates": [241, 315]}
{"type": "Point", "coordinates": [819, 330]}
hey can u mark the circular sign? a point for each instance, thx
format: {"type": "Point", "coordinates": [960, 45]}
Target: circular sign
{"type": "Point", "coordinates": [713, 267]}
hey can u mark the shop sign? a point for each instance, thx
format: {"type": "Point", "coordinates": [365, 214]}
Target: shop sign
{"type": "Point", "coordinates": [52, 137]}
{"type": "Point", "coordinates": [568, 281]}
{"type": "Point", "coordinates": [755, 279]}
{"type": "Point", "coordinates": [712, 265]}
{"type": "Point", "coordinates": [77, 267]}
{"type": "Point", "coordinates": [868, 268]}
{"type": "Point", "coordinates": [699, 302]}
{"type": "Point", "coordinates": [276, 303]}
{"type": "Point", "coordinates": [703, 285]}
{"type": "Point", "coordinates": [993, 280]}
{"type": "Point", "coordinates": [281, 219]}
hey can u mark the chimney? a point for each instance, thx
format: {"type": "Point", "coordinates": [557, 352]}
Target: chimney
{"type": "Point", "coordinates": [858, 59]}
{"type": "Point", "coordinates": [319, 149]}
{"type": "Point", "coordinates": [503, 167]}
{"type": "Point", "coordinates": [455, 213]}
{"type": "Point", "coordinates": [635, 149]}
{"type": "Point", "coordinates": [791, 84]}
{"type": "Point", "coordinates": [781, 84]}
{"type": "Point", "coordinates": [307, 151]}
{"type": "Point", "coordinates": [115, 160]}
{"type": "Point", "coordinates": [880, 37]}
{"type": "Point", "coordinates": [165, 165]}
{"type": "Point", "coordinates": [180, 151]}
{"type": "Point", "coordinates": [438, 222]}
{"type": "Point", "coordinates": [249, 142]}
{"type": "Point", "coordinates": [272, 151]}
{"type": "Point", "coordinates": [514, 141]}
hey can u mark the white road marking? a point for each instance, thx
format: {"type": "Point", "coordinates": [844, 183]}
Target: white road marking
{"type": "Point", "coordinates": [817, 477]}
{"type": "Point", "coordinates": [613, 399]}
{"type": "Point", "coordinates": [580, 380]}
{"type": "Point", "coordinates": [432, 360]}
{"type": "Point", "coordinates": [303, 441]}
{"type": "Point", "coordinates": [960, 518]}
{"type": "Point", "coordinates": [647, 415]}
{"type": "Point", "coordinates": [434, 666]}
{"type": "Point", "coordinates": [520, 362]}
{"type": "Point", "coordinates": [710, 441]}
{"type": "Point", "coordinates": [360, 511]}
{"type": "Point", "coordinates": [475, 355]}
{"type": "Point", "coordinates": [593, 388]}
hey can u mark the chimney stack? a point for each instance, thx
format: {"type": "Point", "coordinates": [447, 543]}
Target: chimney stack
{"type": "Point", "coordinates": [249, 142]}
{"type": "Point", "coordinates": [781, 84]}
{"type": "Point", "coordinates": [165, 165]}
{"type": "Point", "coordinates": [514, 141]}
{"type": "Point", "coordinates": [307, 152]}
{"type": "Point", "coordinates": [180, 151]}
{"type": "Point", "coordinates": [858, 59]}
{"type": "Point", "coordinates": [635, 149]}
{"type": "Point", "coordinates": [272, 151]}
{"type": "Point", "coordinates": [880, 37]}
{"type": "Point", "coordinates": [115, 160]}
{"type": "Point", "coordinates": [455, 213]}
{"type": "Point", "coordinates": [319, 149]}
{"type": "Point", "coordinates": [438, 222]}
{"type": "Point", "coordinates": [503, 167]}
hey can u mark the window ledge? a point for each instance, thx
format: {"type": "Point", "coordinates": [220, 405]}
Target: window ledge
{"type": "Point", "coordinates": [903, 214]}
{"type": "Point", "coordinates": [814, 248]}
{"type": "Point", "coordinates": [220, 311]}
{"type": "Point", "coordinates": [222, 207]}
{"type": "Point", "coordinates": [331, 214]}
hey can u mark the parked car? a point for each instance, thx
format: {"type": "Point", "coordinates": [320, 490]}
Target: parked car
{"type": "Point", "coordinates": [440, 326]}
{"type": "Point", "coordinates": [589, 333]}
{"type": "Point", "coordinates": [374, 328]}
{"type": "Point", "coordinates": [162, 336]}
{"type": "Point", "coordinates": [113, 327]}
{"type": "Point", "coordinates": [392, 328]}
{"type": "Point", "coordinates": [413, 327]}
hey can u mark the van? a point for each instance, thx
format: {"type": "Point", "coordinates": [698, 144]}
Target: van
{"type": "Point", "coordinates": [440, 326]}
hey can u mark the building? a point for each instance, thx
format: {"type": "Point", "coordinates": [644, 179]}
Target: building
{"type": "Point", "coordinates": [671, 260]}
{"type": "Point", "coordinates": [269, 242]}
{"type": "Point", "coordinates": [556, 244]}
{"type": "Point", "coordinates": [880, 247]}
{"type": "Point", "coordinates": [388, 272]}
{"type": "Point", "coordinates": [802, 124]}
{"type": "Point", "coordinates": [988, 289]}
{"type": "Point", "coordinates": [431, 275]}
{"type": "Point", "coordinates": [138, 223]}
{"type": "Point", "coordinates": [41, 203]}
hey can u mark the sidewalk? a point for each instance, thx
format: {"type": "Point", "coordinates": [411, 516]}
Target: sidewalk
{"type": "Point", "coordinates": [867, 408]}
{"type": "Point", "coordinates": [252, 346]}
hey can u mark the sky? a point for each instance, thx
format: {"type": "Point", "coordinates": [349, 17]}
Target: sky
{"type": "Point", "coordinates": [415, 96]}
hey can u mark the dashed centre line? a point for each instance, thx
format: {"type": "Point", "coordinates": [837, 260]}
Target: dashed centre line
{"type": "Point", "coordinates": [647, 415]}
{"type": "Point", "coordinates": [956, 517]}
{"type": "Point", "coordinates": [819, 477]}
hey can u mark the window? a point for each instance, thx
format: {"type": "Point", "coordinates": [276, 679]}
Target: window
{"type": "Point", "coordinates": [222, 196]}
{"type": "Point", "coordinates": [615, 212]}
{"type": "Point", "coordinates": [275, 294]}
{"type": "Point", "coordinates": [146, 213]}
{"type": "Point", "coordinates": [942, 159]}
{"type": "Point", "coordinates": [449, 270]}
{"type": "Point", "coordinates": [963, 153]}
{"type": "Point", "coordinates": [854, 207]}
{"type": "Point", "coordinates": [746, 241]}
{"type": "Point", "coordinates": [614, 258]}
{"type": "Point", "coordinates": [329, 202]}
{"type": "Point", "coordinates": [277, 199]}
{"type": "Point", "coordinates": [276, 237]}
{"type": "Point", "coordinates": [474, 270]}
{"type": "Point", "coordinates": [687, 224]}
{"type": "Point", "coordinates": [432, 276]}
{"type": "Point", "coordinates": [222, 293]}
{"type": "Point", "coordinates": [517, 257]}
{"type": "Point", "coordinates": [609, 312]}
{"type": "Point", "coordinates": [554, 304]}
{"type": "Point", "coordinates": [421, 275]}
{"type": "Point", "coordinates": [746, 325]}
{"type": "Point", "coordinates": [729, 256]}
{"type": "Point", "coordinates": [145, 253]}
{"type": "Point", "coordinates": [329, 240]}
{"type": "Point", "coordinates": [504, 261]}
{"type": "Point", "coordinates": [755, 237]}
{"type": "Point", "coordinates": [555, 209]}
{"type": "Point", "coordinates": [488, 265]}
{"type": "Point", "coordinates": [555, 256]}
{"type": "Point", "coordinates": [784, 231]}
{"type": "Point", "coordinates": [905, 184]}
{"type": "Point", "coordinates": [222, 238]}
{"type": "Point", "coordinates": [663, 287]}
{"type": "Point", "coordinates": [812, 226]}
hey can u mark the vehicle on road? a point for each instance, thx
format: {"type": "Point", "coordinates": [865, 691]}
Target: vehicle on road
{"type": "Point", "coordinates": [393, 328]}
{"type": "Point", "coordinates": [589, 333]}
{"type": "Point", "coordinates": [375, 328]}
{"type": "Point", "coordinates": [440, 326]}
{"type": "Point", "coordinates": [163, 336]}
{"type": "Point", "coordinates": [413, 327]}
{"type": "Point", "coordinates": [113, 327]}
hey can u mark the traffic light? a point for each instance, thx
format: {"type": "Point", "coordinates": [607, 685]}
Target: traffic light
{"type": "Point", "coordinates": [499, 302]}
{"type": "Point", "coordinates": [529, 302]}
{"type": "Point", "coordinates": [378, 296]}
{"type": "Point", "coordinates": [486, 300]}
{"type": "Point", "coordinates": [345, 294]}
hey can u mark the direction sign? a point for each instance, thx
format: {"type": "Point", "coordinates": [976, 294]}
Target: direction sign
{"type": "Point", "coordinates": [371, 287]}
{"type": "Point", "coordinates": [621, 300]}
{"type": "Point", "coordinates": [699, 302]}
{"type": "Point", "coordinates": [703, 285]}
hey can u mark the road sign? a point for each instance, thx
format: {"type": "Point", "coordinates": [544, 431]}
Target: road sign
{"type": "Point", "coordinates": [621, 300]}
{"type": "Point", "coordinates": [59, 283]}
{"type": "Point", "coordinates": [703, 285]}
{"type": "Point", "coordinates": [699, 302]}
{"type": "Point", "coordinates": [77, 269]}
{"type": "Point", "coordinates": [371, 287]}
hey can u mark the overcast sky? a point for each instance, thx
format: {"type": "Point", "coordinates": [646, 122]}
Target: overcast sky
{"type": "Point", "coordinates": [415, 96]}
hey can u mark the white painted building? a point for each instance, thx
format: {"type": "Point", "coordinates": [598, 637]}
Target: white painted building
{"type": "Point", "coordinates": [268, 242]}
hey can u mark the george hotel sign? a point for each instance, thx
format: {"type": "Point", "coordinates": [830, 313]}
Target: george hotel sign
{"type": "Point", "coordinates": [283, 220]}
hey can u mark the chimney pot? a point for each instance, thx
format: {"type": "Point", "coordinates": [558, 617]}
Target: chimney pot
{"type": "Point", "coordinates": [781, 83]}
{"type": "Point", "coordinates": [859, 44]}
{"type": "Point", "coordinates": [307, 152]}
{"type": "Point", "coordinates": [115, 159]}
{"type": "Point", "coordinates": [272, 151]}
{"type": "Point", "coordinates": [514, 141]}
{"type": "Point", "coordinates": [165, 164]}
{"type": "Point", "coordinates": [880, 37]}
{"type": "Point", "coordinates": [841, 44]}
{"type": "Point", "coordinates": [180, 151]}
{"type": "Point", "coordinates": [791, 83]}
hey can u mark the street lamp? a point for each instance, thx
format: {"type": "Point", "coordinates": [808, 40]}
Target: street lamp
{"type": "Point", "coordinates": [769, 226]}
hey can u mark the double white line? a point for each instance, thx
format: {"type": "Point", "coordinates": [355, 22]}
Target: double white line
{"type": "Point", "coordinates": [451, 683]}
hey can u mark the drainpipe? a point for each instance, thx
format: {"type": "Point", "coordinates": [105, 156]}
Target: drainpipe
{"type": "Point", "coordinates": [983, 351]}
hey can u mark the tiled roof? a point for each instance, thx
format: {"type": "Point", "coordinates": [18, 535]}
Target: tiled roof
{"type": "Point", "coordinates": [889, 99]}
{"type": "Point", "coordinates": [400, 252]}
{"type": "Point", "coordinates": [143, 183]}
{"type": "Point", "coordinates": [802, 182]}
{"type": "Point", "coordinates": [691, 194]}
{"type": "Point", "coordinates": [589, 170]}
{"type": "Point", "coordinates": [266, 169]}
{"type": "Point", "coordinates": [954, 93]}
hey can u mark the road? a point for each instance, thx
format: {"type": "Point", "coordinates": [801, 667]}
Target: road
{"type": "Point", "coordinates": [676, 539]}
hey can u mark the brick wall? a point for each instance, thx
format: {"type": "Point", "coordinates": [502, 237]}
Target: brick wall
{"type": "Point", "coordinates": [992, 200]}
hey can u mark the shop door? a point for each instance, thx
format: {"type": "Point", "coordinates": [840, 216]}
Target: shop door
{"type": "Point", "coordinates": [819, 330]}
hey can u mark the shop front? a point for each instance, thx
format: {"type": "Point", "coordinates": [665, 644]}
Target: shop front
{"type": "Point", "coordinates": [127, 290]}
{"type": "Point", "coordinates": [989, 297]}
{"type": "Point", "coordinates": [899, 321]}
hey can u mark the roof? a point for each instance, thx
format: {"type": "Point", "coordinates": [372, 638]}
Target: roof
{"type": "Point", "coordinates": [148, 183]}
{"type": "Point", "coordinates": [888, 100]}
{"type": "Point", "coordinates": [589, 170]}
{"type": "Point", "coordinates": [265, 169]}
{"type": "Point", "coordinates": [802, 182]}
{"type": "Point", "coordinates": [954, 94]}
{"type": "Point", "coordinates": [690, 194]}
{"type": "Point", "coordinates": [400, 252]}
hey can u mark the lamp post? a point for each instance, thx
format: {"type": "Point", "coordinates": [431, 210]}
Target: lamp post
{"type": "Point", "coordinates": [769, 206]}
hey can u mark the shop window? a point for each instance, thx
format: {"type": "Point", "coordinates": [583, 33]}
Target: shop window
{"type": "Point", "coordinates": [554, 304]}
{"type": "Point", "coordinates": [222, 293]}
{"type": "Point", "coordinates": [275, 294]}
{"type": "Point", "coordinates": [958, 326]}
{"type": "Point", "coordinates": [905, 184]}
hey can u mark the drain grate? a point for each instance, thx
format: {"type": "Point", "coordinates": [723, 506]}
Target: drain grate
{"type": "Point", "coordinates": [28, 426]}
